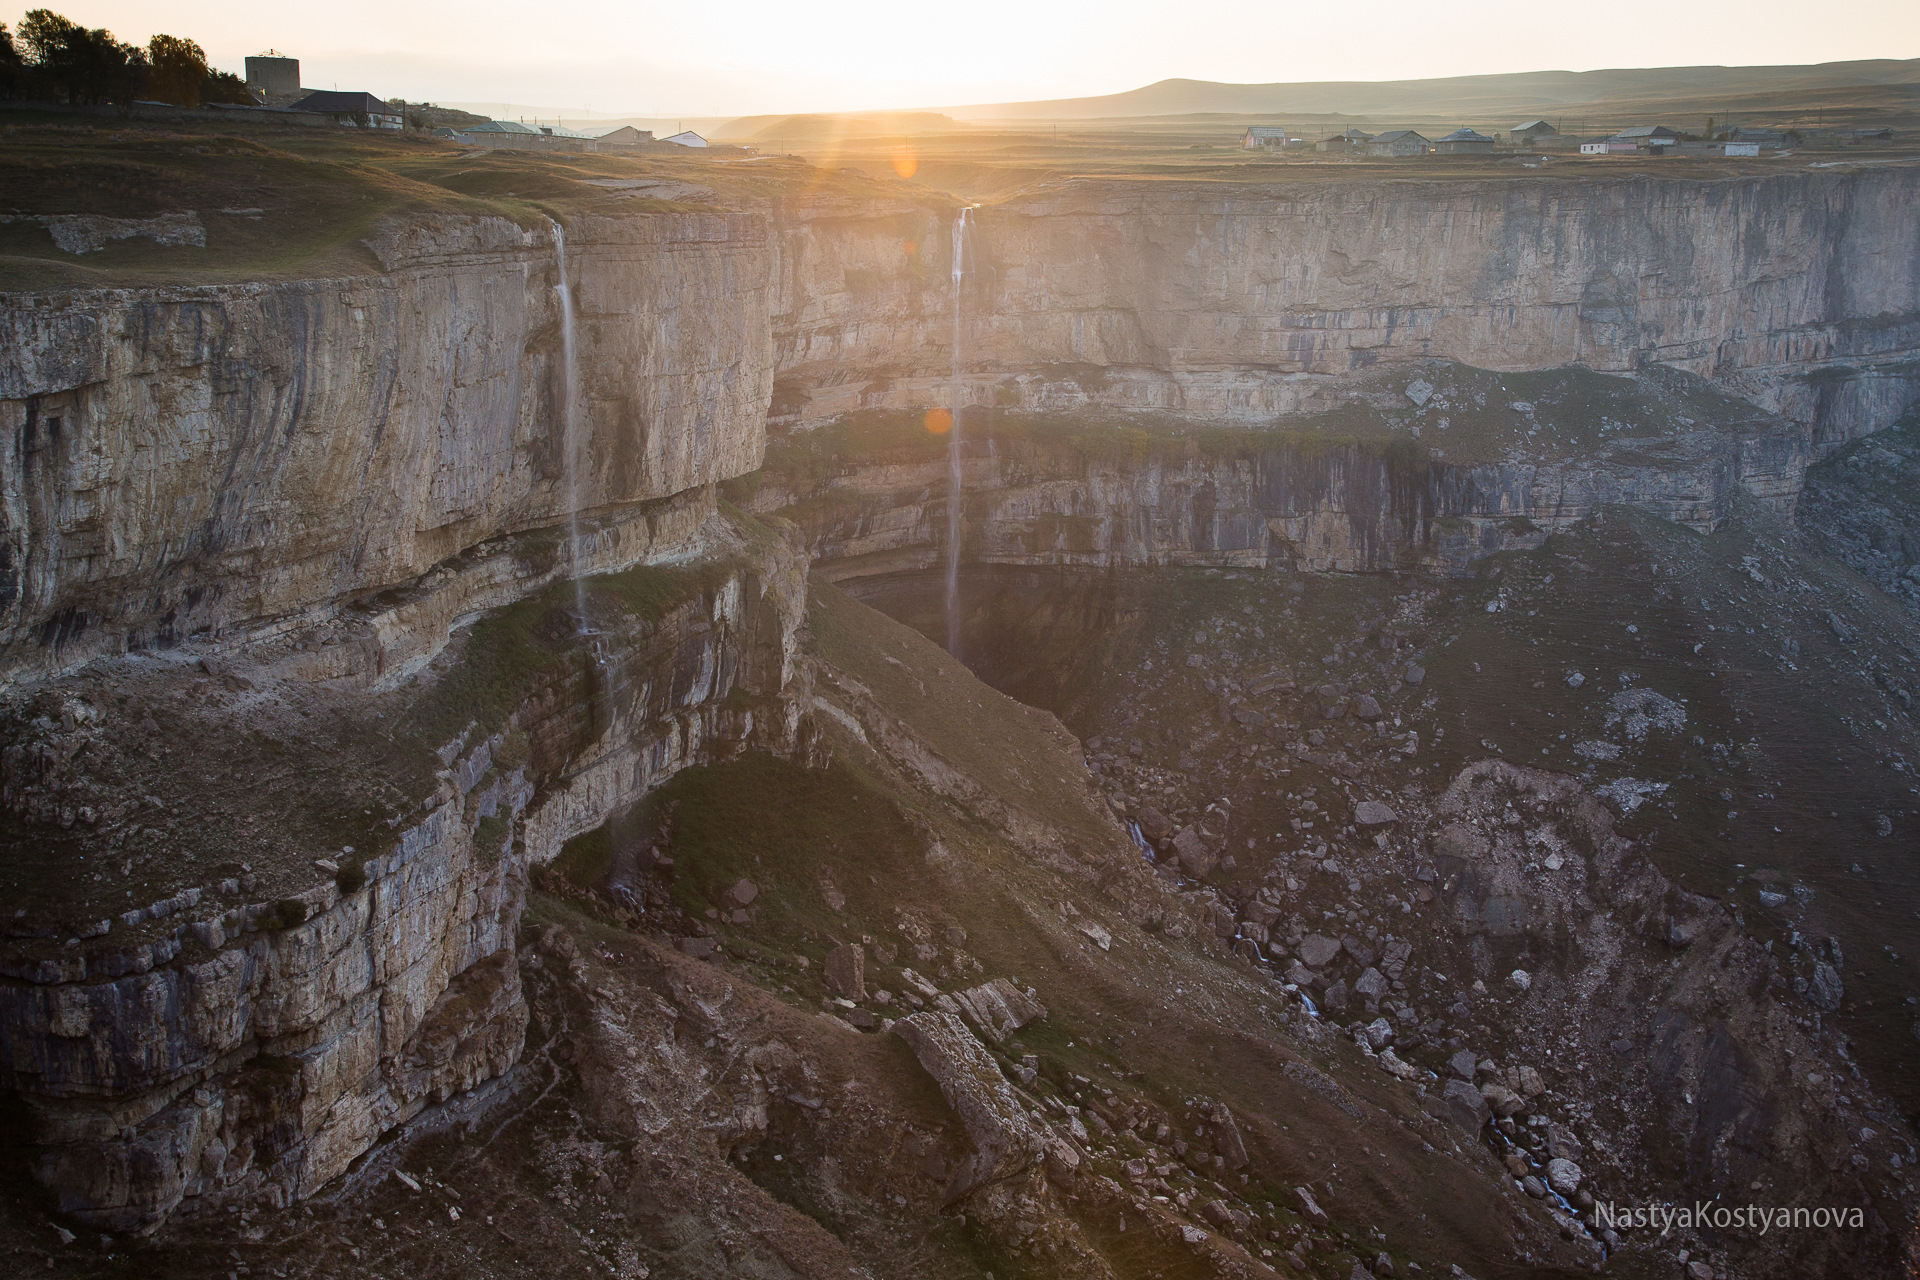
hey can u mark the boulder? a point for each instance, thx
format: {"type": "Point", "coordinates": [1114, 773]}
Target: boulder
{"type": "Point", "coordinates": [1005, 1139]}
{"type": "Point", "coordinates": [1362, 953]}
{"type": "Point", "coordinates": [1196, 858]}
{"type": "Point", "coordinates": [1301, 976]}
{"type": "Point", "coordinates": [1309, 1207]}
{"type": "Point", "coordinates": [1153, 824]}
{"type": "Point", "coordinates": [1563, 1176]}
{"type": "Point", "coordinates": [1415, 673]}
{"type": "Point", "coordinates": [1225, 1132]}
{"type": "Point", "coordinates": [1464, 1064]}
{"type": "Point", "coordinates": [846, 972]}
{"type": "Point", "coordinates": [1335, 998]}
{"type": "Point", "coordinates": [1372, 813]}
{"type": "Point", "coordinates": [741, 894]}
{"type": "Point", "coordinates": [1365, 708]}
{"type": "Point", "coordinates": [1826, 989]}
{"type": "Point", "coordinates": [1379, 1034]}
{"type": "Point", "coordinates": [1463, 1105]}
{"type": "Point", "coordinates": [1561, 1144]}
{"type": "Point", "coordinates": [1316, 950]}
{"type": "Point", "coordinates": [1370, 986]}
{"type": "Point", "coordinates": [1504, 1101]}
{"type": "Point", "coordinates": [998, 1008]}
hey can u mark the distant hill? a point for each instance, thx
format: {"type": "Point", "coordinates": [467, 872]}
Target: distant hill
{"type": "Point", "coordinates": [1511, 94]}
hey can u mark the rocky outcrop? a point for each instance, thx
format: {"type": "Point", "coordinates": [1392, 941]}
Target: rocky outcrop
{"type": "Point", "coordinates": [229, 1047]}
{"type": "Point", "coordinates": [1004, 1140]}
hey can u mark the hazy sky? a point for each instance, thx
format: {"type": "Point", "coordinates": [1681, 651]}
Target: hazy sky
{"type": "Point", "coordinates": [654, 58]}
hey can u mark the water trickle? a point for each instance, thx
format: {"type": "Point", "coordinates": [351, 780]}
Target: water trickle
{"type": "Point", "coordinates": [570, 429]}
{"type": "Point", "coordinates": [955, 475]}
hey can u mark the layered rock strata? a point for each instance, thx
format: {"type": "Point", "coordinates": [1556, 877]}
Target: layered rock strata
{"type": "Point", "coordinates": [225, 1043]}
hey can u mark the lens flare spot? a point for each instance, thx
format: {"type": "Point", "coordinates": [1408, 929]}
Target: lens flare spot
{"type": "Point", "coordinates": [906, 161]}
{"type": "Point", "coordinates": [939, 421]}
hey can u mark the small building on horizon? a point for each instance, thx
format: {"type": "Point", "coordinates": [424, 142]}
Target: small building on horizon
{"type": "Point", "coordinates": [352, 110]}
{"type": "Point", "coordinates": [1464, 141]}
{"type": "Point", "coordinates": [1352, 141]}
{"type": "Point", "coordinates": [1261, 135]}
{"type": "Point", "coordinates": [686, 139]}
{"type": "Point", "coordinates": [1530, 132]}
{"type": "Point", "coordinates": [627, 136]}
{"type": "Point", "coordinates": [1398, 142]}
{"type": "Point", "coordinates": [1648, 137]}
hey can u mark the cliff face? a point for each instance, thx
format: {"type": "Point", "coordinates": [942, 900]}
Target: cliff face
{"type": "Point", "coordinates": [1350, 492]}
{"type": "Point", "coordinates": [182, 461]}
{"type": "Point", "coordinates": [249, 1036]}
{"type": "Point", "coordinates": [1241, 303]}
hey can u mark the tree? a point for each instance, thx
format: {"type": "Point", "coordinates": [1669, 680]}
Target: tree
{"type": "Point", "coordinates": [224, 86]}
{"type": "Point", "coordinates": [177, 70]}
{"type": "Point", "coordinates": [86, 66]}
{"type": "Point", "coordinates": [13, 68]}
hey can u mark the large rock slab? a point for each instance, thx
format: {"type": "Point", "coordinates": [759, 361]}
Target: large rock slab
{"type": "Point", "coordinates": [1005, 1139]}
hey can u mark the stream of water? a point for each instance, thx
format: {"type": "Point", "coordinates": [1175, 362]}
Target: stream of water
{"type": "Point", "coordinates": [955, 475]}
{"type": "Point", "coordinates": [570, 428]}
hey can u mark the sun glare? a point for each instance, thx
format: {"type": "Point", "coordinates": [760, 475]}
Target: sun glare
{"type": "Point", "coordinates": [939, 421]}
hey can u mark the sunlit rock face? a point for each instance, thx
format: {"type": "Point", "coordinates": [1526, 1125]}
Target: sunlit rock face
{"type": "Point", "coordinates": [181, 460]}
{"type": "Point", "coordinates": [1239, 303]}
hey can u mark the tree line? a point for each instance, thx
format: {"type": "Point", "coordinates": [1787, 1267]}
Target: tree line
{"type": "Point", "coordinates": [50, 58]}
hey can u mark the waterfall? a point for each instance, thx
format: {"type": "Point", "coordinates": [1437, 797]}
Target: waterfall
{"type": "Point", "coordinates": [954, 470]}
{"type": "Point", "coordinates": [570, 427]}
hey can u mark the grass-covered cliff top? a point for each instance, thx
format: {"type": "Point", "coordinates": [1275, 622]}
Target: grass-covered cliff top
{"type": "Point", "coordinates": [222, 203]}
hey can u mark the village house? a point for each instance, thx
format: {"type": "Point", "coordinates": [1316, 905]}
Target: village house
{"type": "Point", "coordinates": [687, 139]}
{"type": "Point", "coordinates": [1261, 135]}
{"type": "Point", "coordinates": [511, 135]}
{"type": "Point", "coordinates": [1464, 142]}
{"type": "Point", "coordinates": [1351, 141]}
{"type": "Point", "coordinates": [627, 136]}
{"type": "Point", "coordinates": [1653, 138]}
{"type": "Point", "coordinates": [352, 110]}
{"type": "Point", "coordinates": [1398, 142]}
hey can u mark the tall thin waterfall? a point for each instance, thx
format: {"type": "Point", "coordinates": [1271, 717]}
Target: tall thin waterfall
{"type": "Point", "coordinates": [570, 426]}
{"type": "Point", "coordinates": [955, 476]}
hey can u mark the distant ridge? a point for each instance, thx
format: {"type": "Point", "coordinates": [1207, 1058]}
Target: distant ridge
{"type": "Point", "coordinates": [1461, 95]}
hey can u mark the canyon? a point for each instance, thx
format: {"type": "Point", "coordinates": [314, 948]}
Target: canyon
{"type": "Point", "coordinates": [310, 740]}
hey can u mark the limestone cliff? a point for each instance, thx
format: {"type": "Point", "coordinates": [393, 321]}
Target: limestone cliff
{"type": "Point", "coordinates": [1382, 483]}
{"type": "Point", "coordinates": [1241, 302]}
{"type": "Point", "coordinates": [183, 461]}
{"type": "Point", "coordinates": [257, 1025]}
